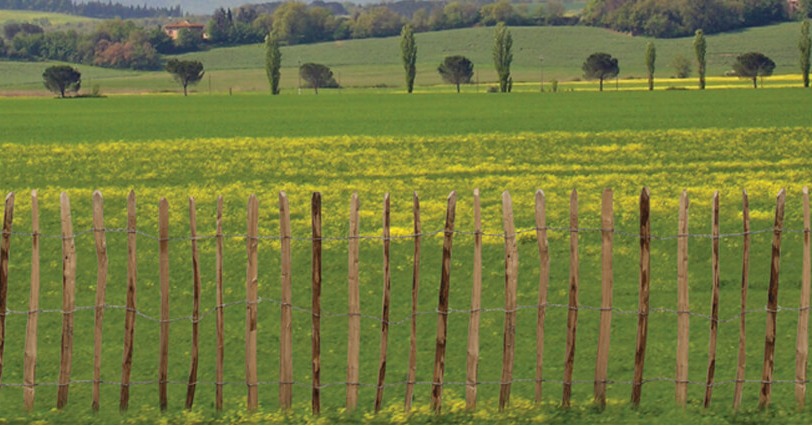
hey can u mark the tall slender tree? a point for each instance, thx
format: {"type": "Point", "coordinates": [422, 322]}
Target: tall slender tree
{"type": "Point", "coordinates": [408, 52]}
{"type": "Point", "coordinates": [503, 55]}
{"type": "Point", "coordinates": [700, 48]}
{"type": "Point", "coordinates": [273, 62]}
{"type": "Point", "coordinates": [651, 57]}
{"type": "Point", "coordinates": [805, 45]}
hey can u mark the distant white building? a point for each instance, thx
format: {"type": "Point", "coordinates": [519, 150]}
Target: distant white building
{"type": "Point", "coordinates": [172, 30]}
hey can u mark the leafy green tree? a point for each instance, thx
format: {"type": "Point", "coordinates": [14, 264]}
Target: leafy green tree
{"type": "Point", "coordinates": [62, 78]}
{"type": "Point", "coordinates": [502, 55]}
{"type": "Point", "coordinates": [805, 45]}
{"type": "Point", "coordinates": [753, 65]}
{"type": "Point", "coordinates": [185, 72]}
{"type": "Point", "coordinates": [273, 62]}
{"type": "Point", "coordinates": [408, 52]}
{"type": "Point", "coordinates": [456, 70]}
{"type": "Point", "coordinates": [317, 75]}
{"type": "Point", "coordinates": [379, 21]}
{"type": "Point", "coordinates": [651, 57]}
{"type": "Point", "coordinates": [600, 66]}
{"type": "Point", "coordinates": [700, 49]}
{"type": "Point", "coordinates": [682, 66]}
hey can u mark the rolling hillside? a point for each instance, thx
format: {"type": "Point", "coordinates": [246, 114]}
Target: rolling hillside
{"type": "Point", "coordinates": [376, 63]}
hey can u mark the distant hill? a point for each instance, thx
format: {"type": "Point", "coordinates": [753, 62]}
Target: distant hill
{"type": "Point", "coordinates": [206, 7]}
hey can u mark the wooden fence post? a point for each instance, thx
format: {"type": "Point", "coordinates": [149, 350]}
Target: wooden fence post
{"type": "Point", "coordinates": [412, 371]}
{"type": "Point", "coordinates": [602, 358]}
{"type": "Point", "coordinates": [220, 322]}
{"type": "Point", "coordinates": [683, 305]}
{"type": "Point", "coordinates": [772, 304]}
{"type": "Point", "coordinates": [737, 394]}
{"type": "Point", "coordinates": [315, 212]}
{"type": "Point", "coordinates": [385, 309]}
{"type": "Point", "coordinates": [472, 362]}
{"type": "Point", "coordinates": [68, 301]}
{"type": "Point", "coordinates": [645, 285]}
{"type": "Point", "coordinates": [196, 289]}
{"type": "Point", "coordinates": [5, 246]}
{"type": "Point", "coordinates": [544, 283]}
{"type": "Point", "coordinates": [714, 316]}
{"type": "Point", "coordinates": [802, 340]}
{"type": "Point", "coordinates": [251, 302]}
{"type": "Point", "coordinates": [442, 306]}
{"type": "Point", "coordinates": [101, 291]}
{"type": "Point", "coordinates": [511, 284]}
{"type": "Point", "coordinates": [30, 361]}
{"type": "Point", "coordinates": [572, 314]}
{"type": "Point", "coordinates": [129, 320]}
{"type": "Point", "coordinates": [354, 302]}
{"type": "Point", "coordinates": [163, 255]}
{"type": "Point", "coordinates": [286, 325]}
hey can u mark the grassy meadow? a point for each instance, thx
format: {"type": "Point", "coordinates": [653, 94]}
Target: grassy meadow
{"type": "Point", "coordinates": [234, 146]}
{"type": "Point", "coordinates": [374, 64]}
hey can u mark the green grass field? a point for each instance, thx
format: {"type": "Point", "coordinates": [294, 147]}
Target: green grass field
{"type": "Point", "coordinates": [205, 146]}
{"type": "Point", "coordinates": [374, 63]}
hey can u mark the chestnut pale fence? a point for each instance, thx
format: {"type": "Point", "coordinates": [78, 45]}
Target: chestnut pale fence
{"type": "Point", "coordinates": [353, 315]}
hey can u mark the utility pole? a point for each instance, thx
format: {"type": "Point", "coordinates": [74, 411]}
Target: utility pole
{"type": "Point", "coordinates": [541, 67]}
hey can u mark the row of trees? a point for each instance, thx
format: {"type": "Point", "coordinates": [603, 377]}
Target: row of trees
{"type": "Point", "coordinates": [114, 44]}
{"type": "Point", "coordinates": [676, 18]}
{"type": "Point", "coordinates": [93, 9]}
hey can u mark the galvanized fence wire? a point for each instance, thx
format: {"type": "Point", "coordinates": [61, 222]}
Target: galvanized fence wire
{"type": "Point", "coordinates": [326, 314]}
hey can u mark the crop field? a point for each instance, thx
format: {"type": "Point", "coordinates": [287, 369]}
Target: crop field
{"type": "Point", "coordinates": [432, 144]}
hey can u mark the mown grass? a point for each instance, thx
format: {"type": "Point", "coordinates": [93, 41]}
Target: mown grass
{"type": "Point", "coordinates": [45, 19]}
{"type": "Point", "coordinates": [145, 118]}
{"type": "Point", "coordinates": [204, 146]}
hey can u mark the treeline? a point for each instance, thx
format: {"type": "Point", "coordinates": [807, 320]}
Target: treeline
{"type": "Point", "coordinates": [678, 18]}
{"type": "Point", "coordinates": [297, 23]}
{"type": "Point", "coordinates": [114, 44]}
{"type": "Point", "coordinates": [92, 9]}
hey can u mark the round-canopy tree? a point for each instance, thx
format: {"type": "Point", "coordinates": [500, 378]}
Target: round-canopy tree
{"type": "Point", "coordinates": [185, 72]}
{"type": "Point", "coordinates": [600, 66]}
{"type": "Point", "coordinates": [753, 65]}
{"type": "Point", "coordinates": [317, 75]}
{"type": "Point", "coordinates": [62, 78]}
{"type": "Point", "coordinates": [456, 70]}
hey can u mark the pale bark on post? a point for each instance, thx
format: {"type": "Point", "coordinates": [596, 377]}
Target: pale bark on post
{"type": "Point", "coordinates": [412, 368]}
{"type": "Point", "coordinates": [572, 313]}
{"type": "Point", "coordinates": [745, 282]}
{"type": "Point", "coordinates": [802, 339]}
{"type": "Point", "coordinates": [251, 301]}
{"type": "Point", "coordinates": [196, 289]}
{"type": "Point", "coordinates": [220, 321]}
{"type": "Point", "coordinates": [602, 357]}
{"type": "Point", "coordinates": [772, 304]}
{"type": "Point", "coordinates": [714, 316]}
{"type": "Point", "coordinates": [472, 359]}
{"type": "Point", "coordinates": [354, 302]}
{"type": "Point", "coordinates": [30, 360]}
{"type": "Point", "coordinates": [68, 301]}
{"type": "Point", "coordinates": [129, 319]}
{"type": "Point", "coordinates": [101, 290]}
{"type": "Point", "coordinates": [511, 284]}
{"type": "Point", "coordinates": [544, 283]}
{"type": "Point", "coordinates": [286, 323]}
{"type": "Point", "coordinates": [683, 306]}
{"type": "Point", "coordinates": [387, 283]}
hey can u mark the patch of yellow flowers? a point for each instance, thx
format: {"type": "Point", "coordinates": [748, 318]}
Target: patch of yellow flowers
{"type": "Point", "coordinates": [667, 161]}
